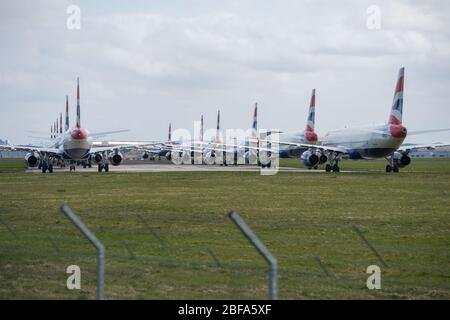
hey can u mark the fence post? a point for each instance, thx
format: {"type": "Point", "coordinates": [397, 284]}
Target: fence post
{"type": "Point", "coordinates": [273, 265]}
{"type": "Point", "coordinates": [92, 239]}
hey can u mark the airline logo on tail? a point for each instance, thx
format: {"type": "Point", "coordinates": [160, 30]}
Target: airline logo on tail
{"type": "Point", "coordinates": [201, 128]}
{"type": "Point", "coordinates": [78, 133]}
{"type": "Point", "coordinates": [217, 139]}
{"type": "Point", "coordinates": [310, 135]}
{"type": "Point", "coordinates": [255, 122]}
{"type": "Point", "coordinates": [397, 104]}
{"type": "Point", "coordinates": [395, 118]}
{"type": "Point", "coordinates": [170, 132]}
{"type": "Point", "coordinates": [312, 112]}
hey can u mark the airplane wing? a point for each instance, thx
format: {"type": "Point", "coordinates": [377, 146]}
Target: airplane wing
{"type": "Point", "coordinates": [310, 146]}
{"type": "Point", "coordinates": [41, 138]}
{"type": "Point", "coordinates": [414, 147]}
{"type": "Point", "coordinates": [29, 149]}
{"type": "Point", "coordinates": [199, 146]}
{"type": "Point", "coordinates": [113, 148]}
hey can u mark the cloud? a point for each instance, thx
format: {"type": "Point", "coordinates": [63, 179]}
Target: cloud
{"type": "Point", "coordinates": [142, 68]}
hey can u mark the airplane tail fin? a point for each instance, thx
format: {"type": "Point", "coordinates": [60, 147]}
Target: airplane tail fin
{"type": "Point", "coordinates": [218, 127]}
{"type": "Point", "coordinates": [51, 132]}
{"type": "Point", "coordinates": [310, 122]}
{"type": "Point", "coordinates": [255, 122]}
{"type": "Point", "coordinates": [78, 104]}
{"type": "Point", "coordinates": [170, 132]}
{"type": "Point", "coordinates": [397, 105]}
{"type": "Point", "coordinates": [57, 126]}
{"type": "Point", "coordinates": [67, 114]}
{"type": "Point", "coordinates": [60, 123]}
{"type": "Point", "coordinates": [201, 128]}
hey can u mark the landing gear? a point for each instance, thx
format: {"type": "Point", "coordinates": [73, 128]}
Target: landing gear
{"type": "Point", "coordinates": [72, 167]}
{"type": "Point", "coordinates": [47, 167]}
{"type": "Point", "coordinates": [394, 164]}
{"type": "Point", "coordinates": [103, 166]}
{"type": "Point", "coordinates": [333, 166]}
{"type": "Point", "coordinates": [267, 165]}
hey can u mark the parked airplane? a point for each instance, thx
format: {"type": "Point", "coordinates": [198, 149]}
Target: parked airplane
{"type": "Point", "coordinates": [72, 146]}
{"type": "Point", "coordinates": [252, 152]}
{"type": "Point", "coordinates": [368, 142]}
{"type": "Point", "coordinates": [183, 152]}
{"type": "Point", "coordinates": [307, 136]}
{"type": "Point", "coordinates": [218, 152]}
{"type": "Point", "coordinates": [157, 148]}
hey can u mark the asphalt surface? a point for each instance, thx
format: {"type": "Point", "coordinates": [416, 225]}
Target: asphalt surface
{"type": "Point", "coordinates": [156, 166]}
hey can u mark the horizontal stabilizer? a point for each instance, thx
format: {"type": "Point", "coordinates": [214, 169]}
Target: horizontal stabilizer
{"type": "Point", "coordinates": [105, 133]}
{"type": "Point", "coordinates": [427, 131]}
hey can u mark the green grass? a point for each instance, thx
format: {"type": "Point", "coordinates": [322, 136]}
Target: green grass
{"type": "Point", "coordinates": [299, 216]}
{"type": "Point", "coordinates": [8, 165]}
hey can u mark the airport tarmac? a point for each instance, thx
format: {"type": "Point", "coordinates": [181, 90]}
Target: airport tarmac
{"type": "Point", "coordinates": [167, 167]}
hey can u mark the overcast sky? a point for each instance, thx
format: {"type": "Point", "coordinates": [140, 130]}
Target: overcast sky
{"type": "Point", "coordinates": [144, 63]}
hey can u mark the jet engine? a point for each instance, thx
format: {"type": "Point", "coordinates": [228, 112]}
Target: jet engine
{"type": "Point", "coordinates": [180, 157]}
{"type": "Point", "coordinates": [266, 157]}
{"type": "Point", "coordinates": [116, 158]}
{"type": "Point", "coordinates": [322, 158]}
{"type": "Point", "coordinates": [168, 155]}
{"type": "Point", "coordinates": [145, 156]}
{"type": "Point", "coordinates": [310, 159]}
{"type": "Point", "coordinates": [401, 160]}
{"type": "Point", "coordinates": [32, 159]}
{"type": "Point", "coordinates": [210, 157]}
{"type": "Point", "coordinates": [98, 158]}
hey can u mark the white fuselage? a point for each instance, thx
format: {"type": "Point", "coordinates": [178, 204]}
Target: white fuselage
{"type": "Point", "coordinates": [71, 148]}
{"type": "Point", "coordinates": [369, 142]}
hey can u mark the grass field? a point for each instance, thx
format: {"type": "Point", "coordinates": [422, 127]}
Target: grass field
{"type": "Point", "coordinates": [188, 248]}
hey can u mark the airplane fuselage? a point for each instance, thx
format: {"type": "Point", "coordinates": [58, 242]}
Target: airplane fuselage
{"type": "Point", "coordinates": [371, 142]}
{"type": "Point", "coordinates": [74, 144]}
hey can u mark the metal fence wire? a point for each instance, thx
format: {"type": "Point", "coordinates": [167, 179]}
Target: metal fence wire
{"type": "Point", "coordinates": [149, 257]}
